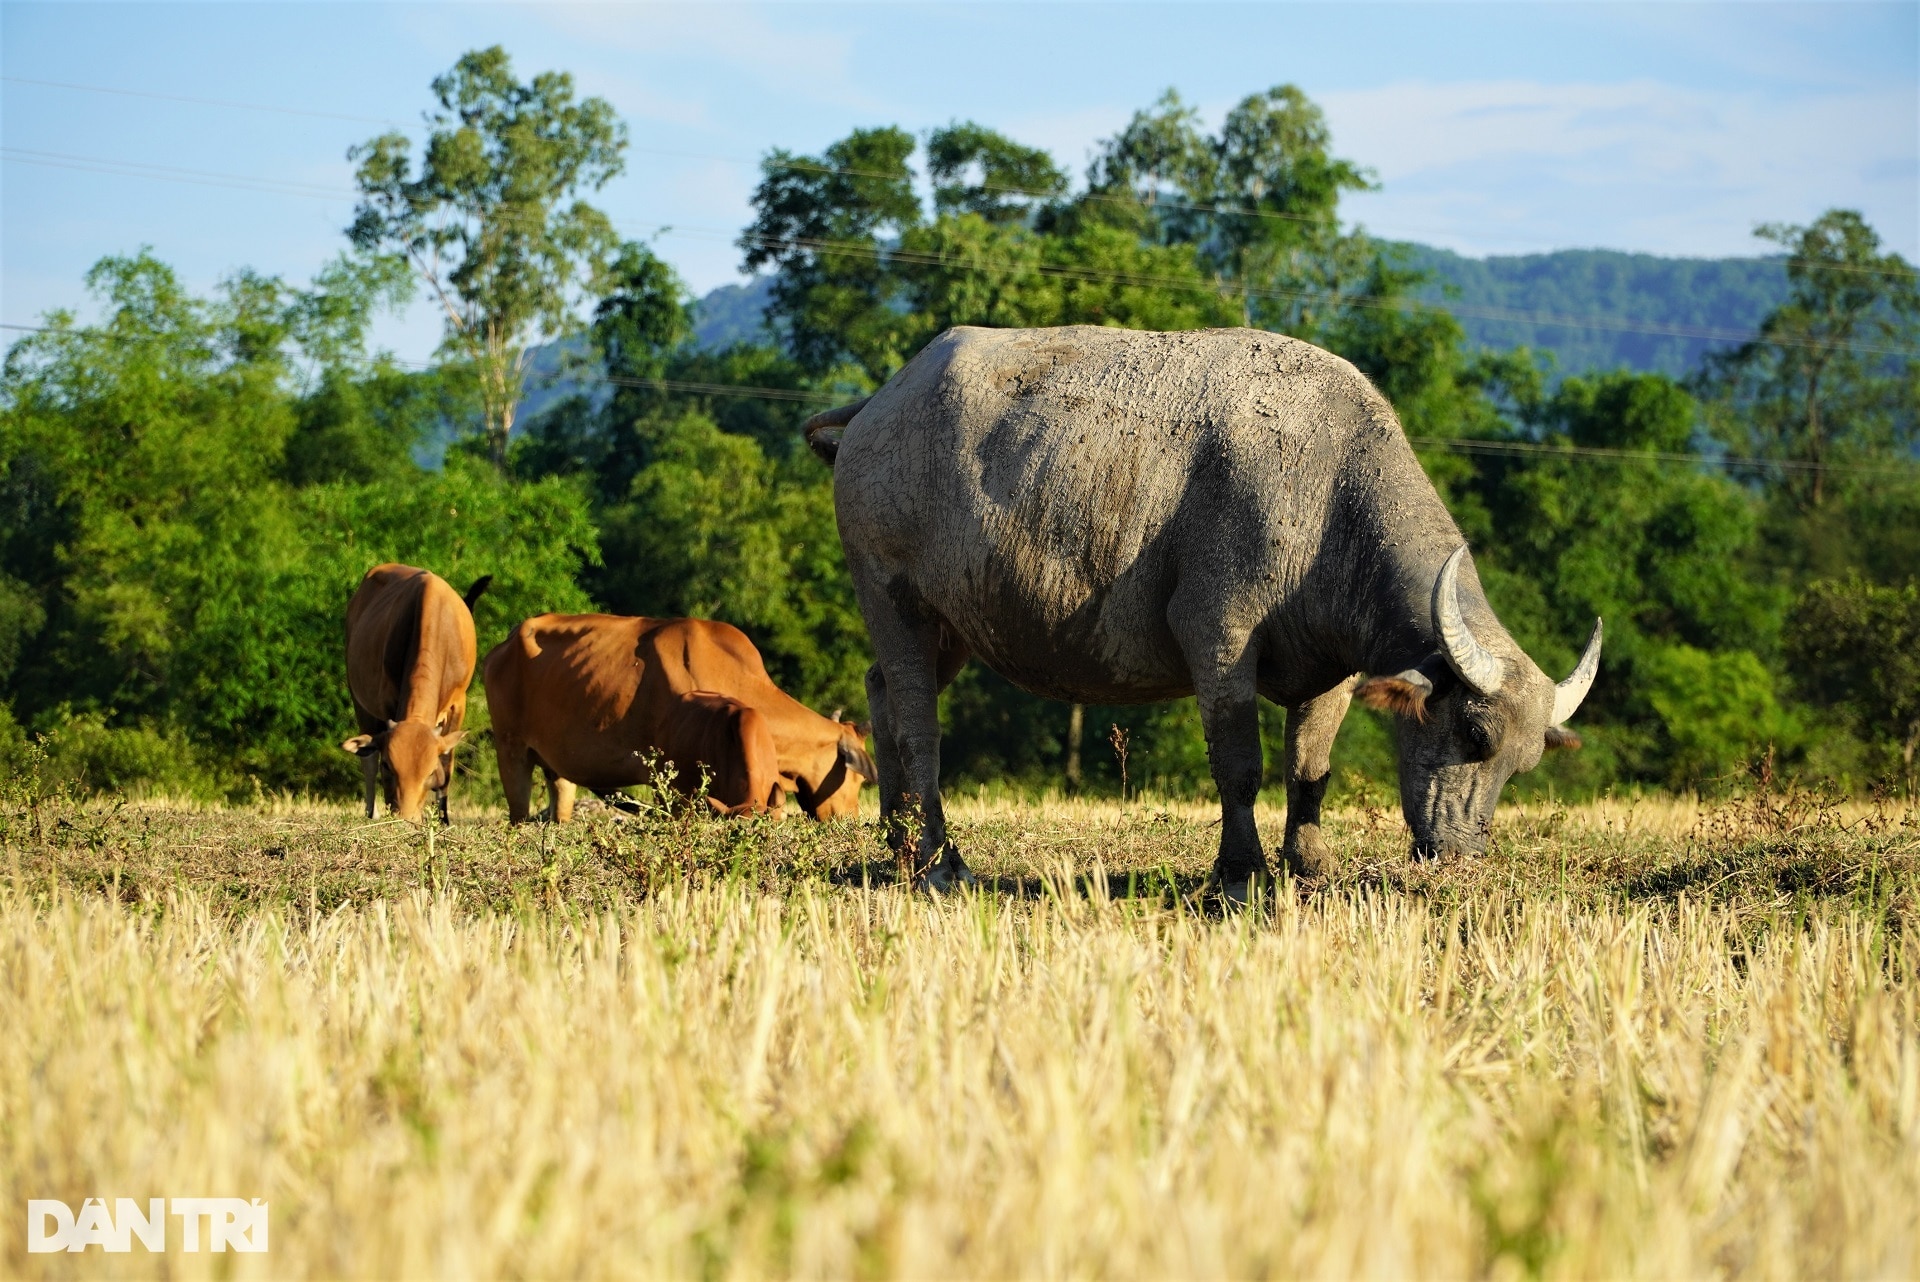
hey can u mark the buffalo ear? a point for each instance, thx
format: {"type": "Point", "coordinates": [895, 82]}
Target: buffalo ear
{"type": "Point", "coordinates": [857, 760]}
{"type": "Point", "coordinates": [361, 745]}
{"type": "Point", "coordinates": [1404, 693]}
{"type": "Point", "coordinates": [1561, 737]}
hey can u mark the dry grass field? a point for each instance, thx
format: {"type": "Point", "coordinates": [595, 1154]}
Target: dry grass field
{"type": "Point", "coordinates": [1635, 1039]}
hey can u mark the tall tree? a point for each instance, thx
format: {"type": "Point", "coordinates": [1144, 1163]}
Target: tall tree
{"type": "Point", "coordinates": [978, 171]}
{"type": "Point", "coordinates": [1831, 375]}
{"type": "Point", "coordinates": [493, 223]}
{"type": "Point", "coordinates": [826, 225]}
{"type": "Point", "coordinates": [1260, 198]}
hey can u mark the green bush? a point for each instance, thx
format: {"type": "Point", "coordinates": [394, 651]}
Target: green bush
{"type": "Point", "coordinates": [1716, 712]}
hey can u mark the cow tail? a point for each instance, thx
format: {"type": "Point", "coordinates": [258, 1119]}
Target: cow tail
{"type": "Point", "coordinates": [479, 585]}
{"type": "Point", "coordinates": [815, 429]}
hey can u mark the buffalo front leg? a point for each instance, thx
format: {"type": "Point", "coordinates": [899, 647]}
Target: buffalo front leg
{"type": "Point", "coordinates": [1224, 685]}
{"type": "Point", "coordinates": [1311, 727]}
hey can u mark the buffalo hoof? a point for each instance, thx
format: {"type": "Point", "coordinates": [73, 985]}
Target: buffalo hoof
{"type": "Point", "coordinates": [1307, 856]}
{"type": "Point", "coordinates": [948, 873]}
{"type": "Point", "coordinates": [1239, 891]}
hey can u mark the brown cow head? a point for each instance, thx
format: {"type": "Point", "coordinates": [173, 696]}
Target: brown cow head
{"type": "Point", "coordinates": [834, 790]}
{"type": "Point", "coordinates": [419, 760]}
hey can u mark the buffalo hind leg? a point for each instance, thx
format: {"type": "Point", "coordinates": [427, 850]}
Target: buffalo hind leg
{"type": "Point", "coordinates": [1311, 727]}
{"type": "Point", "coordinates": [1224, 685]}
{"type": "Point", "coordinates": [915, 660]}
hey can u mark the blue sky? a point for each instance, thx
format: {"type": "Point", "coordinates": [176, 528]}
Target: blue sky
{"type": "Point", "coordinates": [1492, 128]}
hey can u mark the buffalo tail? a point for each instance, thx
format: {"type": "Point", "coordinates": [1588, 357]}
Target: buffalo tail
{"type": "Point", "coordinates": [815, 428]}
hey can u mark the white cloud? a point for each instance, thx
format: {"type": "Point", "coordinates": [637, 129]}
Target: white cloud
{"type": "Point", "coordinates": [1508, 166]}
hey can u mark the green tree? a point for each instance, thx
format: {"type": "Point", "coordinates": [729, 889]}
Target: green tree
{"type": "Point", "coordinates": [1830, 378]}
{"type": "Point", "coordinates": [492, 223]}
{"type": "Point", "coordinates": [978, 171]}
{"type": "Point", "coordinates": [1854, 647]}
{"type": "Point", "coordinates": [170, 605]}
{"type": "Point", "coordinates": [824, 224]}
{"type": "Point", "coordinates": [1664, 553]}
{"type": "Point", "coordinates": [1260, 199]}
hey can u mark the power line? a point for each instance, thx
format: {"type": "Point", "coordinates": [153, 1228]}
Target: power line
{"type": "Point", "coordinates": [205, 102]}
{"type": "Point", "coordinates": [1495, 448]}
{"type": "Point", "coordinates": [170, 173]}
{"type": "Point", "coordinates": [881, 253]}
{"type": "Point", "coordinates": [1153, 200]}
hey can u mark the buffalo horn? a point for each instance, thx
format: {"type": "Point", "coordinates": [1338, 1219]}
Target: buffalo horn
{"type": "Point", "coordinates": [1476, 665]}
{"type": "Point", "coordinates": [1568, 694]}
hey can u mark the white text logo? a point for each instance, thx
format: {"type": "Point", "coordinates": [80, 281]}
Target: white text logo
{"type": "Point", "coordinates": [232, 1224]}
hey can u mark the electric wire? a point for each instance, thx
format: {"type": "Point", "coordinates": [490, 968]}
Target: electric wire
{"type": "Point", "coordinates": [1496, 448]}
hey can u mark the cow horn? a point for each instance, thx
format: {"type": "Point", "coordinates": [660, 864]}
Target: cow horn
{"type": "Point", "coordinates": [1476, 665]}
{"type": "Point", "coordinates": [1569, 693]}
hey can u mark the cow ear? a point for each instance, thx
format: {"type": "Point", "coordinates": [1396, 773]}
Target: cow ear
{"type": "Point", "coordinates": [360, 745]}
{"type": "Point", "coordinates": [1561, 737]}
{"type": "Point", "coordinates": [859, 762]}
{"type": "Point", "coordinates": [450, 741]}
{"type": "Point", "coordinates": [864, 729]}
{"type": "Point", "coordinates": [1404, 693]}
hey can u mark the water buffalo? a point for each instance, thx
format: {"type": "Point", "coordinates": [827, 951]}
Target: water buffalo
{"type": "Point", "coordinates": [410, 654]}
{"type": "Point", "coordinates": [1108, 516]}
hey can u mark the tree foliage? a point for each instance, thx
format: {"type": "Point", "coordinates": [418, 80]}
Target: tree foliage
{"type": "Point", "coordinates": [491, 223]}
{"type": "Point", "coordinates": [1829, 379]}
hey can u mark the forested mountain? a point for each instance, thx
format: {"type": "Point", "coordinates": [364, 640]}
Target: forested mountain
{"type": "Point", "coordinates": [1658, 315]}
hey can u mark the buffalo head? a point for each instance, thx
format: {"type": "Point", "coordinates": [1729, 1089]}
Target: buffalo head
{"type": "Point", "coordinates": [1470, 718]}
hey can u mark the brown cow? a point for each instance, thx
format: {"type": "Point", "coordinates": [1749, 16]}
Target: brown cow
{"type": "Point", "coordinates": [823, 760]}
{"type": "Point", "coordinates": [632, 666]}
{"type": "Point", "coordinates": [410, 655]}
{"type": "Point", "coordinates": [591, 700]}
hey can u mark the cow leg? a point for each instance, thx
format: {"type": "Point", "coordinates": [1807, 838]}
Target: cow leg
{"type": "Point", "coordinates": [516, 778]}
{"type": "Point", "coordinates": [445, 821]}
{"type": "Point", "coordinates": [916, 659]}
{"type": "Point", "coordinates": [559, 797]}
{"type": "Point", "coordinates": [1311, 727]}
{"type": "Point", "coordinates": [370, 778]}
{"type": "Point", "coordinates": [1224, 684]}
